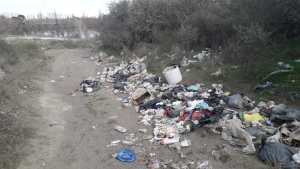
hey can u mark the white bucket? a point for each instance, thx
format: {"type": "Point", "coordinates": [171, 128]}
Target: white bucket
{"type": "Point", "coordinates": [172, 75]}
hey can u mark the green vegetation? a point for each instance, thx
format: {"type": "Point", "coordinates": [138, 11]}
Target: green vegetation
{"type": "Point", "coordinates": [7, 52]}
{"type": "Point", "coordinates": [69, 44]}
{"type": "Point", "coordinates": [11, 54]}
{"type": "Point", "coordinates": [249, 35]}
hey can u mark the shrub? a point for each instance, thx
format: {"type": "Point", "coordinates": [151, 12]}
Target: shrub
{"type": "Point", "coordinates": [198, 23]}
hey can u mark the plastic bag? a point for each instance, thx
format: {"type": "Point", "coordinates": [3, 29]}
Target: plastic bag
{"type": "Point", "coordinates": [235, 101]}
{"type": "Point", "coordinates": [126, 155]}
{"type": "Point", "coordinates": [254, 118]}
{"type": "Point", "coordinates": [277, 154]}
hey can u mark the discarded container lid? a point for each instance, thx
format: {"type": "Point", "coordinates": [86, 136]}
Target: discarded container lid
{"type": "Point", "coordinates": [172, 74]}
{"type": "Point", "coordinates": [126, 155]}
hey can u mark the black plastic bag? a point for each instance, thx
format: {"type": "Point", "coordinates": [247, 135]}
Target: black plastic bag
{"type": "Point", "coordinates": [152, 104]}
{"type": "Point", "coordinates": [277, 154]}
{"type": "Point", "coordinates": [282, 114]}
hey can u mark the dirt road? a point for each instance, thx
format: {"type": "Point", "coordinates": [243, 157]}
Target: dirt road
{"type": "Point", "coordinates": [73, 131]}
{"type": "Point", "coordinates": [70, 134]}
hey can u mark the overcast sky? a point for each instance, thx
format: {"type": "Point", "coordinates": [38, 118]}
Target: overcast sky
{"type": "Point", "coordinates": [64, 7]}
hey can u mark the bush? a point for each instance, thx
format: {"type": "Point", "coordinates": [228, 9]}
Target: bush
{"type": "Point", "coordinates": [194, 24]}
{"type": "Point", "coordinates": [7, 54]}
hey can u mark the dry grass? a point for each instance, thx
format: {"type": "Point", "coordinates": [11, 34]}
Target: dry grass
{"type": "Point", "coordinates": [13, 132]}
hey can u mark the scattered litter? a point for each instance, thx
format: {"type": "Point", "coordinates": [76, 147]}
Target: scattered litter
{"type": "Point", "coordinates": [127, 142]}
{"type": "Point", "coordinates": [130, 139]}
{"type": "Point", "coordinates": [194, 88]}
{"type": "Point", "coordinates": [202, 55]}
{"type": "Point", "coordinates": [139, 95]}
{"type": "Point", "coordinates": [296, 157]}
{"type": "Point", "coordinates": [235, 101]}
{"type": "Point", "coordinates": [88, 86]}
{"type": "Point", "coordinates": [233, 128]}
{"type": "Point", "coordinates": [55, 123]}
{"type": "Point", "coordinates": [170, 140]}
{"type": "Point", "coordinates": [126, 155]}
{"type": "Point", "coordinates": [266, 85]}
{"type": "Point", "coordinates": [254, 118]}
{"type": "Point", "coordinates": [154, 164]}
{"type": "Point", "coordinates": [52, 81]}
{"type": "Point", "coordinates": [172, 75]}
{"type": "Point", "coordinates": [120, 129]}
{"type": "Point", "coordinates": [148, 137]}
{"type": "Point", "coordinates": [174, 109]}
{"type": "Point", "coordinates": [114, 143]}
{"type": "Point", "coordinates": [185, 143]}
{"type": "Point", "coordinates": [217, 73]}
{"type": "Point", "coordinates": [203, 165]}
{"type": "Point", "coordinates": [184, 62]}
{"type": "Point", "coordinates": [277, 154]}
{"type": "Point", "coordinates": [143, 130]}
{"type": "Point", "coordinates": [282, 114]}
{"type": "Point", "coordinates": [274, 139]}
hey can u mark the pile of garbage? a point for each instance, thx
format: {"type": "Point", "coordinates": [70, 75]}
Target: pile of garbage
{"type": "Point", "coordinates": [89, 85]}
{"type": "Point", "coordinates": [173, 109]}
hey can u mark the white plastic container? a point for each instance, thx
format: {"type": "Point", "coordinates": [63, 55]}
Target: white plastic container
{"type": "Point", "coordinates": [172, 75]}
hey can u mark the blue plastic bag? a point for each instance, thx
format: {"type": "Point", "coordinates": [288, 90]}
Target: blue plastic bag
{"type": "Point", "coordinates": [126, 155]}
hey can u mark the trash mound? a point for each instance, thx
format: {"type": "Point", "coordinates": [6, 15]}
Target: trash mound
{"type": "Point", "coordinates": [173, 109]}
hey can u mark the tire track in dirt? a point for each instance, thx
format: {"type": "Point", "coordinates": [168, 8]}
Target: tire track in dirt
{"type": "Point", "coordinates": [53, 105]}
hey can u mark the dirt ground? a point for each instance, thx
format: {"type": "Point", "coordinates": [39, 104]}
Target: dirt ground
{"type": "Point", "coordinates": [72, 130]}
